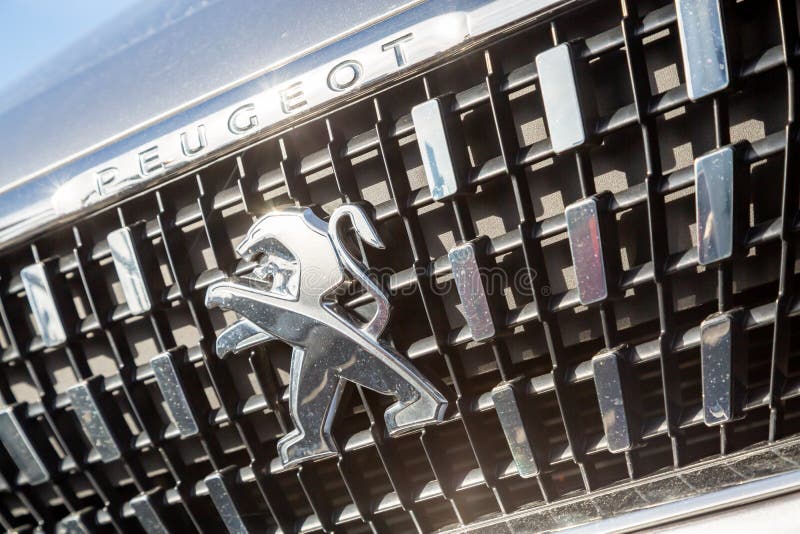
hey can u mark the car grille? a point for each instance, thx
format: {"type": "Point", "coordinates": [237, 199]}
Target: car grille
{"type": "Point", "coordinates": [460, 471]}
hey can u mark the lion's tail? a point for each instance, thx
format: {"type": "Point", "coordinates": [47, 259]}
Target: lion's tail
{"type": "Point", "coordinates": [366, 230]}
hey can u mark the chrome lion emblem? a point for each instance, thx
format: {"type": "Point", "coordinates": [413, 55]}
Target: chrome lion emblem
{"type": "Point", "coordinates": [302, 264]}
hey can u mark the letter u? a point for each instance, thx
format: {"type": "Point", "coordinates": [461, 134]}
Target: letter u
{"type": "Point", "coordinates": [187, 148]}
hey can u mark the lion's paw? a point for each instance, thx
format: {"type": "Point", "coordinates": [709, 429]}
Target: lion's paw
{"type": "Point", "coordinates": [294, 448]}
{"type": "Point", "coordinates": [402, 417]}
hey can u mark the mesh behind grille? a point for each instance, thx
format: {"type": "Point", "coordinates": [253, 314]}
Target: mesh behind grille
{"type": "Point", "coordinates": [462, 470]}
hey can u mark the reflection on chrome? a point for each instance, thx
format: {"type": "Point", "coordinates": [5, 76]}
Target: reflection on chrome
{"type": "Point", "coordinates": [569, 107]}
{"type": "Point", "coordinates": [595, 261]}
{"type": "Point", "coordinates": [444, 168]}
{"type": "Point", "coordinates": [129, 270]}
{"type": "Point", "coordinates": [43, 304]}
{"type": "Point", "coordinates": [715, 205]}
{"type": "Point", "coordinates": [705, 59]}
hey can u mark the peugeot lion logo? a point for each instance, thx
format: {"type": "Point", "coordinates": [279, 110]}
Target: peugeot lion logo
{"type": "Point", "coordinates": [302, 263]}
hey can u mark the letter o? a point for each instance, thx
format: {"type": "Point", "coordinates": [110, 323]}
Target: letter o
{"type": "Point", "coordinates": [345, 75]}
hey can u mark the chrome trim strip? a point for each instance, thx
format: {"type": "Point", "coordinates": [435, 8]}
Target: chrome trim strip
{"type": "Point", "coordinates": [129, 269]}
{"type": "Point", "coordinates": [568, 106]}
{"type": "Point", "coordinates": [20, 449]}
{"type": "Point", "coordinates": [717, 501]}
{"type": "Point", "coordinates": [219, 486]}
{"type": "Point", "coordinates": [517, 422]}
{"type": "Point", "coordinates": [172, 390]}
{"type": "Point", "coordinates": [671, 495]}
{"type": "Point", "coordinates": [44, 306]}
{"type": "Point", "coordinates": [478, 305]}
{"type": "Point", "coordinates": [715, 184]}
{"type": "Point", "coordinates": [617, 397]}
{"type": "Point", "coordinates": [595, 260]}
{"type": "Point", "coordinates": [723, 364]}
{"type": "Point", "coordinates": [149, 517]}
{"type": "Point", "coordinates": [705, 56]}
{"type": "Point", "coordinates": [96, 426]}
{"type": "Point", "coordinates": [250, 111]}
{"type": "Point", "coordinates": [443, 160]}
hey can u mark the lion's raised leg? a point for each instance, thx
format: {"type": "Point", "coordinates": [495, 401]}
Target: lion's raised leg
{"type": "Point", "coordinates": [314, 394]}
{"type": "Point", "coordinates": [418, 401]}
{"type": "Point", "coordinates": [317, 377]}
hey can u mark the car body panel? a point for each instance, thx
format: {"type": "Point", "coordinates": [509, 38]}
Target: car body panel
{"type": "Point", "coordinates": [156, 59]}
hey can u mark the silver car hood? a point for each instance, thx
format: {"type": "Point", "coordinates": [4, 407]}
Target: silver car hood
{"type": "Point", "coordinates": [170, 87]}
{"type": "Point", "coordinates": [154, 60]}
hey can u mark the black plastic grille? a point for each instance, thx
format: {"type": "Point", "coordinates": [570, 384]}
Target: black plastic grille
{"type": "Point", "coordinates": [461, 470]}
